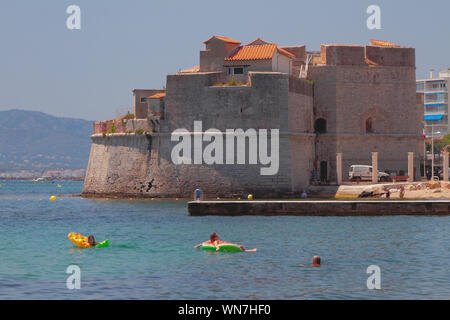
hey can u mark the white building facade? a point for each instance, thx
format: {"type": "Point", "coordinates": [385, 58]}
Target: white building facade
{"type": "Point", "coordinates": [436, 112]}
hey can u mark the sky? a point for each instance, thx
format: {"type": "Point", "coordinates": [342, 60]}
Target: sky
{"type": "Point", "coordinates": [125, 44]}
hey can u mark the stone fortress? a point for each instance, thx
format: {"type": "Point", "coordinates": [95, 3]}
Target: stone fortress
{"type": "Point", "coordinates": [347, 99]}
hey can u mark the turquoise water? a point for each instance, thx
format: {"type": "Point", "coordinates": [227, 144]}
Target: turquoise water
{"type": "Point", "coordinates": [151, 253]}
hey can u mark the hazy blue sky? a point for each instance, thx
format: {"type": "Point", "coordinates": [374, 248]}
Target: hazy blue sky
{"type": "Point", "coordinates": [89, 73]}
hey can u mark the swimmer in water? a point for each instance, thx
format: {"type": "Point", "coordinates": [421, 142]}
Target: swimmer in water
{"type": "Point", "coordinates": [315, 262]}
{"type": "Point", "coordinates": [214, 240]}
{"type": "Point", "coordinates": [91, 241]}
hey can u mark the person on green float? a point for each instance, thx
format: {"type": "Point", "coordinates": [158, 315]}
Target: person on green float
{"type": "Point", "coordinates": [214, 240]}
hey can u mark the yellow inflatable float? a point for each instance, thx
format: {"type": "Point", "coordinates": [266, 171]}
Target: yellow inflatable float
{"type": "Point", "coordinates": [82, 241]}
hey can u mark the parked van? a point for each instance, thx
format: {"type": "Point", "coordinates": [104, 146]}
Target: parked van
{"type": "Point", "coordinates": [363, 172]}
{"type": "Point", "coordinates": [441, 174]}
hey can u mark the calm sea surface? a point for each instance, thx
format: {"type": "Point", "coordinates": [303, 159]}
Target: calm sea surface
{"type": "Point", "coordinates": [151, 253]}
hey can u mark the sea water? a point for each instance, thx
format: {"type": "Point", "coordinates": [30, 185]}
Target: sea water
{"type": "Point", "coordinates": [151, 254]}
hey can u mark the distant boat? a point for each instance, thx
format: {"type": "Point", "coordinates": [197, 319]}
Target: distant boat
{"type": "Point", "coordinates": [43, 179]}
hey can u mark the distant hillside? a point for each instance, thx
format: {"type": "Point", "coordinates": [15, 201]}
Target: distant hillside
{"type": "Point", "coordinates": [35, 142]}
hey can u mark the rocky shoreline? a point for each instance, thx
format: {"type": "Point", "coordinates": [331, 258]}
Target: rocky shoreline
{"type": "Point", "coordinates": [412, 190]}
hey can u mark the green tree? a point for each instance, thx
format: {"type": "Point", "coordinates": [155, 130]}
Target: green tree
{"type": "Point", "coordinates": [446, 139]}
{"type": "Point", "coordinates": [439, 146]}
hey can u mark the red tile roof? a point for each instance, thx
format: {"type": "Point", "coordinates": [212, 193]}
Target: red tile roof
{"type": "Point", "coordinates": [158, 95]}
{"type": "Point", "coordinates": [225, 39]}
{"type": "Point", "coordinates": [381, 43]}
{"type": "Point", "coordinates": [285, 52]}
{"type": "Point", "coordinates": [257, 42]}
{"type": "Point", "coordinates": [254, 51]}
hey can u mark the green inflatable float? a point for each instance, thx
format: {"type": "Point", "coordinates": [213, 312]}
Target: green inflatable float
{"type": "Point", "coordinates": [223, 247]}
{"type": "Point", "coordinates": [103, 244]}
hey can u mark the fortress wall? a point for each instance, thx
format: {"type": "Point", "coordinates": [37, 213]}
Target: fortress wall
{"type": "Point", "coordinates": [301, 86]}
{"type": "Point", "coordinates": [333, 55]}
{"type": "Point", "coordinates": [126, 165]}
{"type": "Point", "coordinates": [326, 149]}
{"type": "Point", "coordinates": [346, 96]}
{"type": "Point", "coordinates": [386, 94]}
{"type": "Point", "coordinates": [300, 113]}
{"type": "Point", "coordinates": [324, 78]}
{"type": "Point", "coordinates": [302, 129]}
{"type": "Point", "coordinates": [106, 126]}
{"type": "Point", "coordinates": [262, 104]}
{"type": "Point", "coordinates": [392, 152]}
{"type": "Point", "coordinates": [122, 126]}
{"type": "Point", "coordinates": [302, 149]}
{"type": "Point", "coordinates": [141, 166]}
{"type": "Point", "coordinates": [386, 56]}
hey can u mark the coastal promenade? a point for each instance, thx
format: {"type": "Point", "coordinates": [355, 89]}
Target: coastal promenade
{"type": "Point", "coordinates": [321, 208]}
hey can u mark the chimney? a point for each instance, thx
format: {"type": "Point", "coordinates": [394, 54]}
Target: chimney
{"type": "Point", "coordinates": [432, 74]}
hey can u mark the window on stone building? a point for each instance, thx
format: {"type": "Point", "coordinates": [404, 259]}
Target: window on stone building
{"type": "Point", "coordinates": [143, 100]}
{"type": "Point", "coordinates": [162, 107]}
{"type": "Point", "coordinates": [369, 128]}
{"type": "Point", "coordinates": [320, 126]}
{"type": "Point", "coordinates": [238, 71]}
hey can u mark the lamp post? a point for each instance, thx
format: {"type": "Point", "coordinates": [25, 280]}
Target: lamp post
{"type": "Point", "coordinates": [432, 150]}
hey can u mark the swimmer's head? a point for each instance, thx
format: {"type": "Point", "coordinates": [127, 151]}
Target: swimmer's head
{"type": "Point", "coordinates": [91, 240]}
{"type": "Point", "coordinates": [213, 237]}
{"type": "Point", "coordinates": [316, 261]}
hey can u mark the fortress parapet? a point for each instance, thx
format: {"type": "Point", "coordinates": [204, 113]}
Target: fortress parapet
{"type": "Point", "coordinates": [391, 56]}
{"type": "Point", "coordinates": [378, 53]}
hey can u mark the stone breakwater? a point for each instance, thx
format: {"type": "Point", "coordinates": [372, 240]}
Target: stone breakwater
{"type": "Point", "coordinates": [320, 208]}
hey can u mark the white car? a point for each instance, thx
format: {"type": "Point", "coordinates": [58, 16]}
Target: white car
{"type": "Point", "coordinates": [363, 172]}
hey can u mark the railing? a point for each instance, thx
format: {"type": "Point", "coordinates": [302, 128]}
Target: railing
{"type": "Point", "coordinates": [436, 109]}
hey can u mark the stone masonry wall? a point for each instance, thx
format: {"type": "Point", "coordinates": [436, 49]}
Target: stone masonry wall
{"type": "Point", "coordinates": [141, 165]}
{"type": "Point", "coordinates": [346, 96]}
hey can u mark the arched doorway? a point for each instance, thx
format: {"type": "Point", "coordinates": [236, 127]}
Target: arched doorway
{"type": "Point", "coordinates": [369, 125]}
{"type": "Point", "coordinates": [320, 125]}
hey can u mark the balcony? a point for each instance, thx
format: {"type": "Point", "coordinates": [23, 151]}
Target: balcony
{"type": "Point", "coordinates": [436, 97]}
{"type": "Point", "coordinates": [436, 110]}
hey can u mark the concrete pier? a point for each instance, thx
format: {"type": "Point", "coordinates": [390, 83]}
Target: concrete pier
{"type": "Point", "coordinates": [320, 208]}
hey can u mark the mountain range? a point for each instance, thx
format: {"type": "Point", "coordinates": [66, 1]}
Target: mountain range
{"type": "Point", "coordinates": [32, 142]}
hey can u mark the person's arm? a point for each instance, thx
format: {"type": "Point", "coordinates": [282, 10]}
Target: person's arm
{"type": "Point", "coordinates": [216, 245]}
{"type": "Point", "coordinates": [197, 246]}
{"type": "Point", "coordinates": [247, 250]}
